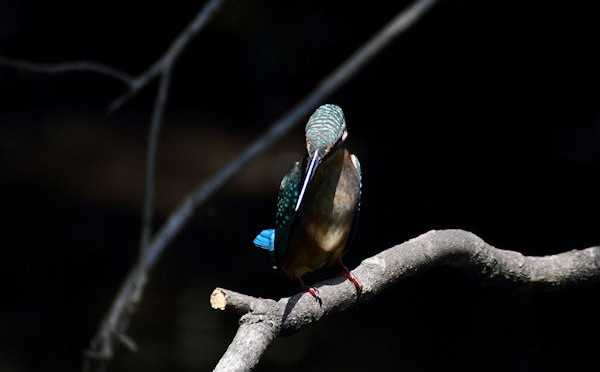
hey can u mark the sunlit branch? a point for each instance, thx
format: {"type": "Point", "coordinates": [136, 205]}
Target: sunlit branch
{"type": "Point", "coordinates": [263, 320]}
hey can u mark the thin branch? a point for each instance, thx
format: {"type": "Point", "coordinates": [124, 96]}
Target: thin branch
{"type": "Point", "coordinates": [265, 319]}
{"type": "Point", "coordinates": [64, 67]}
{"type": "Point", "coordinates": [402, 22]}
{"type": "Point", "coordinates": [137, 83]}
{"type": "Point", "coordinates": [114, 325]}
{"type": "Point", "coordinates": [167, 60]}
{"type": "Point", "coordinates": [157, 117]}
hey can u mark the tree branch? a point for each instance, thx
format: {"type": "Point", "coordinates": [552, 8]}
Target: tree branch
{"type": "Point", "coordinates": [158, 112]}
{"type": "Point", "coordinates": [63, 67]}
{"type": "Point", "coordinates": [165, 63]}
{"type": "Point", "coordinates": [162, 66]}
{"type": "Point", "coordinates": [114, 326]}
{"type": "Point", "coordinates": [265, 319]}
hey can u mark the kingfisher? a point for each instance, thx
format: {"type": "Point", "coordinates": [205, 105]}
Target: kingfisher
{"type": "Point", "coordinates": [318, 203]}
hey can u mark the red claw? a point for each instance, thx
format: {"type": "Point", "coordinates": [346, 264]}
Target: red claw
{"type": "Point", "coordinates": [348, 275]}
{"type": "Point", "coordinates": [312, 290]}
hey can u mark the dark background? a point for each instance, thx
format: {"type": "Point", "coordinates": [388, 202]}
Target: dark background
{"type": "Point", "coordinates": [484, 116]}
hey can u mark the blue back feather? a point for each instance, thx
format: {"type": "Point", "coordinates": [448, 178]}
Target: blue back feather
{"type": "Point", "coordinates": [266, 240]}
{"type": "Point", "coordinates": [286, 212]}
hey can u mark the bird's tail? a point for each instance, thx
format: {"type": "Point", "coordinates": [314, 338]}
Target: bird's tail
{"type": "Point", "coordinates": [265, 240]}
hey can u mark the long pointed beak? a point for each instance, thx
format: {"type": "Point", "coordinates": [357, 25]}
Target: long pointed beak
{"type": "Point", "coordinates": [313, 163]}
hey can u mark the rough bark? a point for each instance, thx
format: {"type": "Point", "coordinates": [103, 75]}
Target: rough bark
{"type": "Point", "coordinates": [265, 319]}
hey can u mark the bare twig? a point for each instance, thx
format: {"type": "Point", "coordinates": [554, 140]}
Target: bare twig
{"type": "Point", "coordinates": [163, 65]}
{"type": "Point", "coordinates": [157, 116]}
{"type": "Point", "coordinates": [265, 319]}
{"type": "Point", "coordinates": [63, 67]}
{"type": "Point", "coordinates": [114, 325]}
{"type": "Point", "coordinates": [398, 25]}
{"type": "Point", "coordinates": [167, 60]}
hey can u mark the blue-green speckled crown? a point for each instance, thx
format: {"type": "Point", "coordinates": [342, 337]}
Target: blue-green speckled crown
{"type": "Point", "coordinates": [325, 127]}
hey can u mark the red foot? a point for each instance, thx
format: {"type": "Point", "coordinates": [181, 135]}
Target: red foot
{"type": "Point", "coordinates": [348, 275]}
{"type": "Point", "coordinates": [312, 290]}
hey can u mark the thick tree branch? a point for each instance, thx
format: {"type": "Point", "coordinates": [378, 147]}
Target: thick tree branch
{"type": "Point", "coordinates": [265, 319]}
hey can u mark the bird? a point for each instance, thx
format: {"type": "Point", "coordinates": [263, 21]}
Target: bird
{"type": "Point", "coordinates": [318, 203]}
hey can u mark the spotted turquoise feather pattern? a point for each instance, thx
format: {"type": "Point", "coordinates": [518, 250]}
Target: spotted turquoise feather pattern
{"type": "Point", "coordinates": [286, 214]}
{"type": "Point", "coordinates": [326, 126]}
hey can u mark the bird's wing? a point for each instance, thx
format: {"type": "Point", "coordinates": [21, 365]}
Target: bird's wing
{"type": "Point", "coordinates": [286, 213]}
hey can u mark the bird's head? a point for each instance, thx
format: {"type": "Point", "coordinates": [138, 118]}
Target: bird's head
{"type": "Point", "coordinates": [325, 131]}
